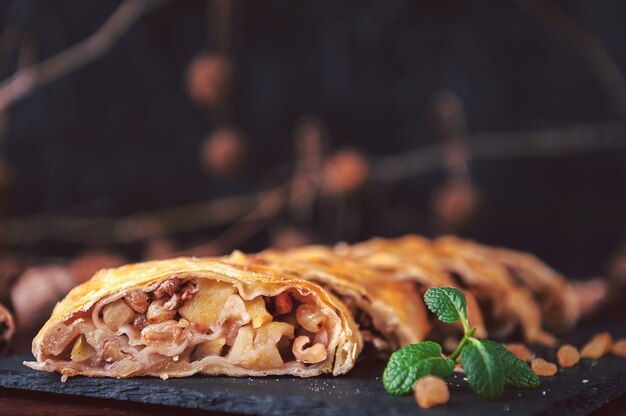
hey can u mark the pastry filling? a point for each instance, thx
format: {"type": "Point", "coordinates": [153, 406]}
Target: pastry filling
{"type": "Point", "coordinates": [376, 343]}
{"type": "Point", "coordinates": [190, 325]}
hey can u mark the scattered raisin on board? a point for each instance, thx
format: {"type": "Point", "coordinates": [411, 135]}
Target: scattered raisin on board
{"type": "Point", "coordinates": [430, 391]}
{"type": "Point", "coordinates": [619, 348]}
{"type": "Point", "coordinates": [598, 346]}
{"type": "Point", "coordinates": [568, 356]}
{"type": "Point", "coordinates": [520, 350]}
{"type": "Point", "coordinates": [543, 368]}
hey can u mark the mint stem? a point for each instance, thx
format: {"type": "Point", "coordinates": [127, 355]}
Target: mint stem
{"type": "Point", "coordinates": [458, 349]}
{"type": "Point", "coordinates": [465, 324]}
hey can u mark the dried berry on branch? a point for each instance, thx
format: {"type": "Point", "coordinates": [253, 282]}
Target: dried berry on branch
{"type": "Point", "coordinates": [223, 152]}
{"type": "Point", "coordinates": [288, 237]}
{"type": "Point", "coordinates": [455, 204]}
{"type": "Point", "coordinates": [208, 79]}
{"type": "Point", "coordinates": [159, 248]}
{"type": "Point", "coordinates": [344, 172]}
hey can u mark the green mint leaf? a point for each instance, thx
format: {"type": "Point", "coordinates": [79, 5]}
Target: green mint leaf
{"type": "Point", "coordinates": [448, 303]}
{"type": "Point", "coordinates": [482, 368]}
{"type": "Point", "coordinates": [516, 372]}
{"type": "Point", "coordinates": [412, 362]}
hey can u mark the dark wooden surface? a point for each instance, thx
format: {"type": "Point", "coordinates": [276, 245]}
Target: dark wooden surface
{"type": "Point", "coordinates": [32, 403]}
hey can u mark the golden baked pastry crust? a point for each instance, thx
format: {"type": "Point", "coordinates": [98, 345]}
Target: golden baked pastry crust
{"type": "Point", "coordinates": [250, 281]}
{"type": "Point", "coordinates": [377, 282]}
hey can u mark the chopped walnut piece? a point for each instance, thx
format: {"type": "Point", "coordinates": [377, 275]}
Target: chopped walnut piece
{"type": "Point", "coordinates": [431, 391]}
{"type": "Point", "coordinates": [543, 368]}
{"type": "Point", "coordinates": [177, 299]}
{"type": "Point", "coordinates": [520, 350]}
{"type": "Point", "coordinates": [598, 346]}
{"type": "Point", "coordinates": [173, 304]}
{"type": "Point", "coordinates": [167, 288]}
{"type": "Point", "coordinates": [187, 291]}
{"type": "Point", "coordinates": [283, 303]}
{"type": "Point", "coordinates": [311, 355]}
{"type": "Point", "coordinates": [619, 348]}
{"type": "Point", "coordinates": [138, 301]}
{"type": "Point", "coordinates": [568, 356]}
{"type": "Point", "coordinates": [140, 322]}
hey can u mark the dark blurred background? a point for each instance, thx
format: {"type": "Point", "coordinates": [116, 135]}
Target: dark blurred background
{"type": "Point", "coordinates": [198, 127]}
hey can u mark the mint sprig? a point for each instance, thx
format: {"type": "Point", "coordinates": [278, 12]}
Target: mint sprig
{"type": "Point", "coordinates": [412, 362]}
{"type": "Point", "coordinates": [482, 368]}
{"type": "Point", "coordinates": [516, 372]}
{"type": "Point", "coordinates": [488, 365]}
{"type": "Point", "coordinates": [449, 305]}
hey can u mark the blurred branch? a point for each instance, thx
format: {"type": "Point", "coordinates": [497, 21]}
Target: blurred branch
{"type": "Point", "coordinates": [103, 230]}
{"type": "Point", "coordinates": [28, 79]}
{"type": "Point", "coordinates": [454, 202]}
{"type": "Point", "coordinates": [451, 125]}
{"type": "Point", "coordinates": [506, 145]}
{"type": "Point", "coordinates": [589, 47]}
{"type": "Point", "coordinates": [220, 24]}
{"type": "Point", "coordinates": [9, 39]}
{"type": "Point", "coordinates": [269, 206]}
{"type": "Point", "coordinates": [248, 213]}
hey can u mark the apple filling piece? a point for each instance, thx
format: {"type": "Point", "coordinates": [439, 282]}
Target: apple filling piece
{"type": "Point", "coordinates": [192, 324]}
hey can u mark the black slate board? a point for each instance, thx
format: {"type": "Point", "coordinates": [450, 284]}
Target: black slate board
{"type": "Point", "coordinates": [359, 392]}
{"type": "Point", "coordinates": [575, 391]}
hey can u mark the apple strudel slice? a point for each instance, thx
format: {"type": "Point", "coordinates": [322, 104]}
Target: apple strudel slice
{"type": "Point", "coordinates": [178, 317]}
